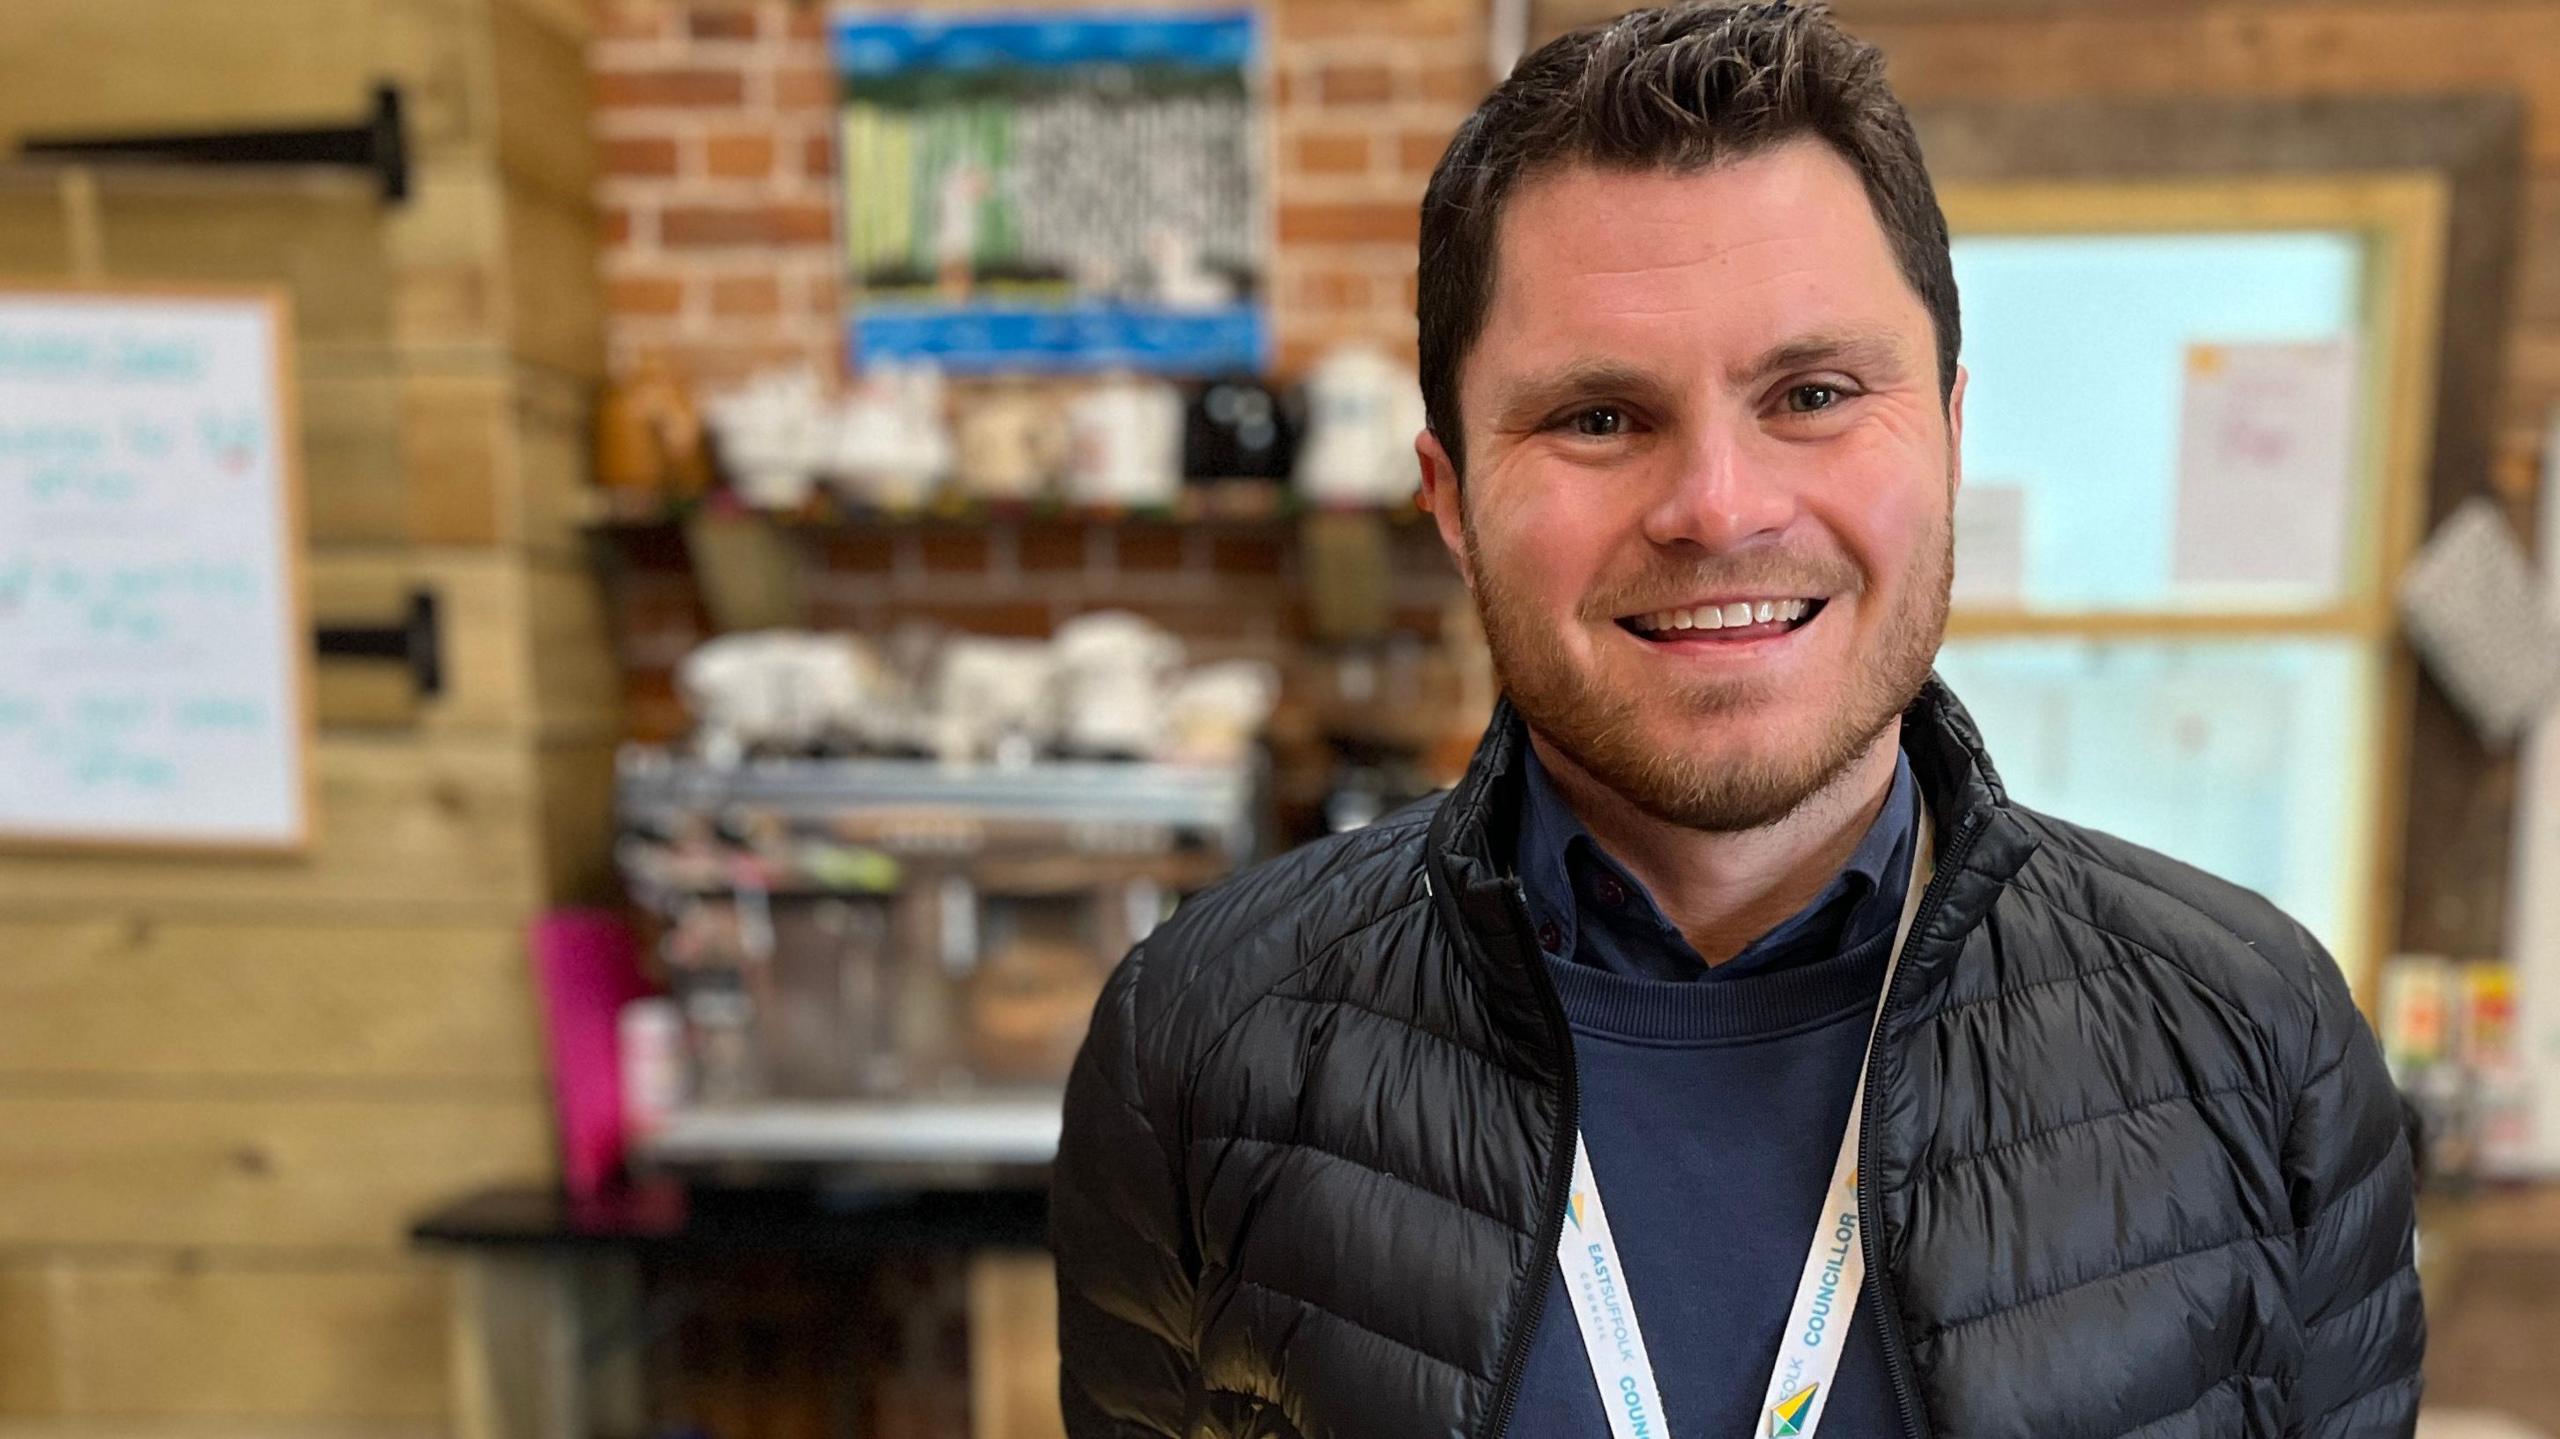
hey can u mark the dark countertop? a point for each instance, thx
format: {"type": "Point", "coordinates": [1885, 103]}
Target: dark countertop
{"type": "Point", "coordinates": [673, 1221]}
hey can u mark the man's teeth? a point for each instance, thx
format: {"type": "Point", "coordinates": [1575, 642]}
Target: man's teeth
{"type": "Point", "coordinates": [1716, 617]}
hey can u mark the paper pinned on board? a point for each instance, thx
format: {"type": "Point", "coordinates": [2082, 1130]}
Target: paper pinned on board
{"type": "Point", "coordinates": [2266, 466]}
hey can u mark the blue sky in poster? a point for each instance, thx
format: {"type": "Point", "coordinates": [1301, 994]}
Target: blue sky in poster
{"type": "Point", "coordinates": [1081, 338]}
{"type": "Point", "coordinates": [890, 44]}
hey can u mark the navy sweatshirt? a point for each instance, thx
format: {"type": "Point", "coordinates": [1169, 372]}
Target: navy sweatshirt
{"type": "Point", "coordinates": [1713, 1102]}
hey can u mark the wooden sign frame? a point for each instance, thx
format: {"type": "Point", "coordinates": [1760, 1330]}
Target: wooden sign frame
{"type": "Point", "coordinates": [275, 305]}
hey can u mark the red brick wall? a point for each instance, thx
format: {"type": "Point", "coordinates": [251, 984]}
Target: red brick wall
{"type": "Point", "coordinates": [715, 119]}
{"type": "Point", "coordinates": [714, 123]}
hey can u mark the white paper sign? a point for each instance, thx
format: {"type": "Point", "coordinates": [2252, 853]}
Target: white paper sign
{"type": "Point", "coordinates": [1991, 545]}
{"type": "Point", "coordinates": [152, 640]}
{"type": "Point", "coordinates": [2266, 466]}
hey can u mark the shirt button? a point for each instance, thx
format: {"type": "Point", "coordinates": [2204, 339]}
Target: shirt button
{"type": "Point", "coordinates": [1611, 892]}
{"type": "Point", "coordinates": [1550, 938]}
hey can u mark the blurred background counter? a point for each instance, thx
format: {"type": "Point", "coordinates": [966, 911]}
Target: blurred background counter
{"type": "Point", "coordinates": [768, 1309]}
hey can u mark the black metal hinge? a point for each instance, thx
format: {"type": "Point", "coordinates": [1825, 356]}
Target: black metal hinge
{"type": "Point", "coordinates": [414, 642]}
{"type": "Point", "coordinates": [375, 144]}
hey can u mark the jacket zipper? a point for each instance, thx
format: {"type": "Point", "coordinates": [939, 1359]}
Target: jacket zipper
{"type": "Point", "coordinates": [1897, 1358]}
{"type": "Point", "coordinates": [1515, 1360]}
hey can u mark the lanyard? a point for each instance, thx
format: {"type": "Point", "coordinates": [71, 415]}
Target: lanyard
{"type": "Point", "coordinates": [1835, 1267]}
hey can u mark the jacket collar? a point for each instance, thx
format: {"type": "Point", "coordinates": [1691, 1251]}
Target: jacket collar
{"type": "Point", "coordinates": [1979, 838]}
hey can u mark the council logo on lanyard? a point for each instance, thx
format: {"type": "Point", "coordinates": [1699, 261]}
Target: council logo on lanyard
{"type": "Point", "coordinates": [1834, 1269]}
{"type": "Point", "coordinates": [1787, 1415]}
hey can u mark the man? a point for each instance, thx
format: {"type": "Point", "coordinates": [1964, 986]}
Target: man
{"type": "Point", "coordinates": [2122, 1158]}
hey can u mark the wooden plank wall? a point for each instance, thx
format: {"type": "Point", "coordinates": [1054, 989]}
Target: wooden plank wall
{"type": "Point", "coordinates": [226, 1087]}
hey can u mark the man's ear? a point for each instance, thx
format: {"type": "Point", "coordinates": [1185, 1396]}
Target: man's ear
{"type": "Point", "coordinates": [1440, 496]}
{"type": "Point", "coordinates": [1955, 431]}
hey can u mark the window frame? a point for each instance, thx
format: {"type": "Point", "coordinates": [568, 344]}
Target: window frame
{"type": "Point", "coordinates": [2401, 217]}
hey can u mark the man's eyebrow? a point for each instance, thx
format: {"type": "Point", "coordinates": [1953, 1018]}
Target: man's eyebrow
{"type": "Point", "coordinates": [1861, 348]}
{"type": "Point", "coordinates": [1524, 400]}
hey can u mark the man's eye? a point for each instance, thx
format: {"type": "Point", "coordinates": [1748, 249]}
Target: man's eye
{"type": "Point", "coordinates": [1806, 399]}
{"type": "Point", "coordinates": [1600, 422]}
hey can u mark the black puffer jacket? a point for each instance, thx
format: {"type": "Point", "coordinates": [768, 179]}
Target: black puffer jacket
{"type": "Point", "coordinates": [2132, 1163]}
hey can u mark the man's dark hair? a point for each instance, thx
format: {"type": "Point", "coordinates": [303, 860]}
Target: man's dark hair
{"type": "Point", "coordinates": [1682, 88]}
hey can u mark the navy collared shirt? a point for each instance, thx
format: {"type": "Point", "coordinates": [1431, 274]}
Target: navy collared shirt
{"type": "Point", "coordinates": [1589, 909]}
{"type": "Point", "coordinates": [1712, 1105]}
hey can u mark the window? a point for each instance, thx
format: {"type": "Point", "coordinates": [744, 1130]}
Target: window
{"type": "Point", "coordinates": [2194, 446]}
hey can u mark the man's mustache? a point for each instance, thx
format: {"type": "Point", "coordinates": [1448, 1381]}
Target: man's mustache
{"type": "Point", "coordinates": [1664, 589]}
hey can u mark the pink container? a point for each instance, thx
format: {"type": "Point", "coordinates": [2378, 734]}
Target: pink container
{"type": "Point", "coordinates": [587, 965]}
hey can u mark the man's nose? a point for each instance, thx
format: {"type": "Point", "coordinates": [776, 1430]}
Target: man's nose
{"type": "Point", "coordinates": [1721, 497]}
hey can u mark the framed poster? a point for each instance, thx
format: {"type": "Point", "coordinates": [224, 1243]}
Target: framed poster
{"type": "Point", "coordinates": [154, 650]}
{"type": "Point", "coordinates": [1063, 192]}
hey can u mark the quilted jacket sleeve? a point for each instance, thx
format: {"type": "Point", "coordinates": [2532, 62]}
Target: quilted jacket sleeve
{"type": "Point", "coordinates": [2354, 1187]}
{"type": "Point", "coordinates": [1115, 1221]}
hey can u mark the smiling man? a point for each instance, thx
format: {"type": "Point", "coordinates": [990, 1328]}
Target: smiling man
{"type": "Point", "coordinates": [1727, 1053]}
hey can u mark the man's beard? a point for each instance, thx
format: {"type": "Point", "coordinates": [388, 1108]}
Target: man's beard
{"type": "Point", "coordinates": [1603, 734]}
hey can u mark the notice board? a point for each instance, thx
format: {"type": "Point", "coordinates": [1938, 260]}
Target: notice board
{"type": "Point", "coordinates": [154, 649]}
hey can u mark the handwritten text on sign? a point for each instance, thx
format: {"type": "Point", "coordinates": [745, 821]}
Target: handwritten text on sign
{"type": "Point", "coordinates": [150, 672]}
